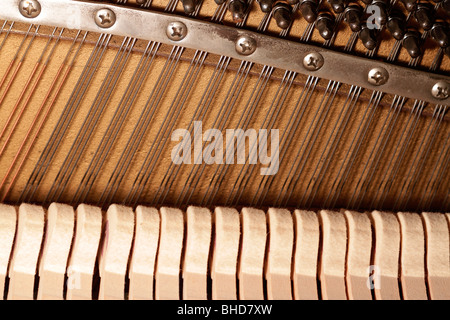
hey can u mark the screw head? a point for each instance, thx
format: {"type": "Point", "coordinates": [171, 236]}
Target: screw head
{"type": "Point", "coordinates": [176, 31]}
{"type": "Point", "coordinates": [377, 76]}
{"type": "Point", "coordinates": [313, 61]}
{"type": "Point", "coordinates": [105, 18]}
{"type": "Point", "coordinates": [30, 8]}
{"type": "Point", "coordinates": [441, 90]}
{"type": "Point", "coordinates": [245, 45]}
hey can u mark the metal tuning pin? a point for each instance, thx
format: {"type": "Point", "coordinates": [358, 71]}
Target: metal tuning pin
{"type": "Point", "coordinates": [411, 42]}
{"type": "Point", "coordinates": [338, 6]}
{"type": "Point", "coordinates": [282, 13]}
{"type": "Point", "coordinates": [368, 37]}
{"type": "Point", "coordinates": [266, 5]}
{"type": "Point", "coordinates": [440, 33]}
{"type": "Point", "coordinates": [189, 5]}
{"type": "Point", "coordinates": [219, 2]}
{"type": "Point", "coordinates": [410, 5]}
{"type": "Point", "coordinates": [353, 14]}
{"type": "Point", "coordinates": [325, 25]}
{"type": "Point", "coordinates": [309, 9]}
{"type": "Point", "coordinates": [237, 9]}
{"type": "Point", "coordinates": [424, 15]}
{"type": "Point", "coordinates": [382, 19]}
{"type": "Point", "coordinates": [396, 25]}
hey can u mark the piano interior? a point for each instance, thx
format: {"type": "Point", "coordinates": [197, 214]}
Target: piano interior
{"type": "Point", "coordinates": [224, 150]}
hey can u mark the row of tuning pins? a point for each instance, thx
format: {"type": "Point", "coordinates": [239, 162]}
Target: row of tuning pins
{"type": "Point", "coordinates": [396, 23]}
{"type": "Point", "coordinates": [393, 19]}
{"type": "Point", "coordinates": [427, 17]}
{"type": "Point", "coordinates": [238, 8]}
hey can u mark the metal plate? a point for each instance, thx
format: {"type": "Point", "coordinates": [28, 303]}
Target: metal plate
{"type": "Point", "coordinates": [218, 39]}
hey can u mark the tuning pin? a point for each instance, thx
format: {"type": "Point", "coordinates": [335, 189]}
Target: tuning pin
{"type": "Point", "coordinates": [353, 14]}
{"type": "Point", "coordinates": [293, 2]}
{"type": "Point", "coordinates": [338, 6]}
{"type": "Point", "coordinates": [325, 25]}
{"type": "Point", "coordinates": [266, 5]}
{"type": "Point", "coordinates": [189, 5]}
{"type": "Point", "coordinates": [424, 16]}
{"type": "Point", "coordinates": [411, 42]}
{"type": "Point", "coordinates": [410, 5]}
{"type": "Point", "coordinates": [368, 37]}
{"type": "Point", "coordinates": [309, 8]}
{"type": "Point", "coordinates": [237, 9]}
{"type": "Point", "coordinates": [381, 5]}
{"type": "Point", "coordinates": [219, 2]}
{"type": "Point", "coordinates": [396, 25]}
{"type": "Point", "coordinates": [282, 13]}
{"type": "Point", "coordinates": [440, 33]}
